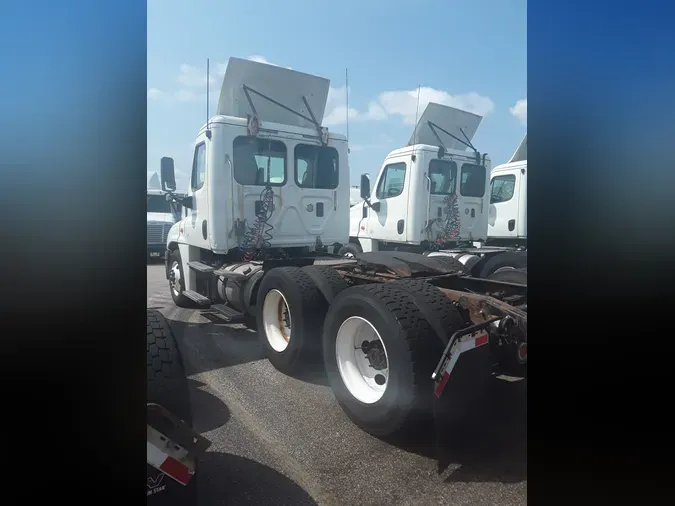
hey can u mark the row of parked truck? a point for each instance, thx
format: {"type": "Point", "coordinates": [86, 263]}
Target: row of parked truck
{"type": "Point", "coordinates": [417, 282]}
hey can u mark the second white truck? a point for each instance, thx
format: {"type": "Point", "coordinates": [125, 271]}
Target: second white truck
{"type": "Point", "coordinates": [432, 196]}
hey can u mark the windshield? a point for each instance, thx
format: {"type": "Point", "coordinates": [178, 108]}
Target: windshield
{"type": "Point", "coordinates": [158, 204]}
{"type": "Point", "coordinates": [316, 167]}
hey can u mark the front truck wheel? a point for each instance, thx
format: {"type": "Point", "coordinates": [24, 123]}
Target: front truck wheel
{"type": "Point", "coordinates": [290, 313]}
{"type": "Point", "coordinates": [350, 250]}
{"type": "Point", "coordinates": [177, 281]}
{"type": "Point", "coordinates": [167, 386]}
{"type": "Point", "coordinates": [379, 352]}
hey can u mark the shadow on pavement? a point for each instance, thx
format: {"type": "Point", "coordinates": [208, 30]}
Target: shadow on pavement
{"type": "Point", "coordinates": [228, 479]}
{"type": "Point", "coordinates": [207, 346]}
{"type": "Point", "coordinates": [488, 445]}
{"type": "Point", "coordinates": [208, 412]}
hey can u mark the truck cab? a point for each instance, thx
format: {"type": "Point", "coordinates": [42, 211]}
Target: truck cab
{"type": "Point", "coordinates": [268, 182]}
{"type": "Point", "coordinates": [508, 200]}
{"type": "Point", "coordinates": [432, 192]}
{"type": "Point", "coordinates": [161, 216]}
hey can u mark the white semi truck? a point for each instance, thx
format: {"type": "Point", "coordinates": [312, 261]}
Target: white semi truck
{"type": "Point", "coordinates": [161, 215]}
{"type": "Point", "coordinates": [508, 201]}
{"type": "Point", "coordinates": [432, 197]}
{"type": "Point", "coordinates": [269, 195]}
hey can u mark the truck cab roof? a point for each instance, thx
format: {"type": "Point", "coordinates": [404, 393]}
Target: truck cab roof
{"type": "Point", "coordinates": [409, 150]}
{"type": "Point", "coordinates": [275, 128]}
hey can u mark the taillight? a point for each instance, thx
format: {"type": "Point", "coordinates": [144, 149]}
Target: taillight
{"type": "Point", "coordinates": [522, 353]}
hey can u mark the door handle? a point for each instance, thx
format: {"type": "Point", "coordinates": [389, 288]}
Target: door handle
{"type": "Point", "coordinates": [512, 225]}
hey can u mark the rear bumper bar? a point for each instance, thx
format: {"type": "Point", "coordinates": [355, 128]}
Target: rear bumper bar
{"type": "Point", "coordinates": [172, 445]}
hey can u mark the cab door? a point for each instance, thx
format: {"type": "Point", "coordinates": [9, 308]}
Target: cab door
{"type": "Point", "coordinates": [504, 210]}
{"type": "Point", "coordinates": [472, 201]}
{"type": "Point", "coordinates": [195, 226]}
{"type": "Point", "coordinates": [386, 216]}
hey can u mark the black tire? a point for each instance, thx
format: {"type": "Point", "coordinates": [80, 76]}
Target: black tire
{"type": "Point", "coordinates": [167, 386]}
{"type": "Point", "coordinates": [412, 348]}
{"type": "Point", "coordinates": [451, 263]}
{"type": "Point", "coordinates": [327, 280]}
{"type": "Point", "coordinates": [307, 308]}
{"type": "Point", "coordinates": [512, 259]}
{"type": "Point", "coordinates": [511, 276]}
{"type": "Point", "coordinates": [178, 298]}
{"type": "Point", "coordinates": [442, 315]}
{"type": "Point", "coordinates": [350, 248]}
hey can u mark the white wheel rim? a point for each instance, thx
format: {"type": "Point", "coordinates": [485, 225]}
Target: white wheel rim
{"type": "Point", "coordinates": [358, 375]}
{"type": "Point", "coordinates": [276, 316]}
{"type": "Point", "coordinates": [174, 281]}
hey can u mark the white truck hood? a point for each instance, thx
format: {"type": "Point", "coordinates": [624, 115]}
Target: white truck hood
{"type": "Point", "coordinates": [164, 217]}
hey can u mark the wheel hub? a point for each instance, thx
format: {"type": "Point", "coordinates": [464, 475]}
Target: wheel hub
{"type": "Point", "coordinates": [362, 359]}
{"type": "Point", "coordinates": [374, 352]}
{"type": "Point", "coordinates": [174, 278]}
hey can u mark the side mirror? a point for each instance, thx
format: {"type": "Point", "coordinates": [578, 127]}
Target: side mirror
{"type": "Point", "coordinates": [187, 202]}
{"type": "Point", "coordinates": [365, 186]}
{"type": "Point", "coordinates": [167, 174]}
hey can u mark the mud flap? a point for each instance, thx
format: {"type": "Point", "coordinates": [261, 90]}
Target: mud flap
{"type": "Point", "coordinates": [172, 446]}
{"type": "Point", "coordinates": [461, 382]}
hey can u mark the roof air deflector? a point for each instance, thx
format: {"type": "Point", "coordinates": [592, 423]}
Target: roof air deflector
{"type": "Point", "coordinates": [280, 95]}
{"type": "Point", "coordinates": [520, 154]}
{"type": "Point", "coordinates": [459, 123]}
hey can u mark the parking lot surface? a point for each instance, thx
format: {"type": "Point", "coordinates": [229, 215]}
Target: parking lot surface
{"type": "Point", "coordinates": [284, 441]}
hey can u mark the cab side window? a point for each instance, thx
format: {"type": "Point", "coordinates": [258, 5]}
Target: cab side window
{"type": "Point", "coordinates": [392, 181]}
{"type": "Point", "coordinates": [199, 167]}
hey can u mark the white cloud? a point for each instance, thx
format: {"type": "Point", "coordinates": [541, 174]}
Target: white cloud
{"type": "Point", "coordinates": [403, 104]}
{"type": "Point", "coordinates": [336, 108]}
{"type": "Point", "coordinates": [155, 94]}
{"type": "Point", "coordinates": [520, 110]}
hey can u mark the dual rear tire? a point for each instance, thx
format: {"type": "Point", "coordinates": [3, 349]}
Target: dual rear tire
{"type": "Point", "coordinates": [378, 343]}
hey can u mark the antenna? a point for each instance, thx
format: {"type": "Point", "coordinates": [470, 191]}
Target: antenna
{"type": "Point", "coordinates": [208, 131]}
{"type": "Point", "coordinates": [347, 102]}
{"type": "Point", "coordinates": [417, 112]}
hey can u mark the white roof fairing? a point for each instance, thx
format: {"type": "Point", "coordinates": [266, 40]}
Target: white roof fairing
{"type": "Point", "coordinates": [448, 118]}
{"type": "Point", "coordinates": [520, 155]}
{"type": "Point", "coordinates": [280, 84]}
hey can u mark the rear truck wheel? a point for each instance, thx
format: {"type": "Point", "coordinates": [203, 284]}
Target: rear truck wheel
{"type": "Point", "coordinates": [289, 318]}
{"type": "Point", "coordinates": [379, 352]}
{"type": "Point", "coordinates": [510, 276]}
{"type": "Point", "coordinates": [350, 250]}
{"type": "Point", "coordinates": [177, 281]}
{"type": "Point", "coordinates": [451, 263]}
{"type": "Point", "coordinates": [327, 280]}
{"type": "Point", "coordinates": [503, 262]}
{"type": "Point", "coordinates": [167, 386]}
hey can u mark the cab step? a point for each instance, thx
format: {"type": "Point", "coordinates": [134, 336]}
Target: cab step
{"type": "Point", "coordinates": [202, 301]}
{"type": "Point", "coordinates": [200, 267]}
{"type": "Point", "coordinates": [226, 313]}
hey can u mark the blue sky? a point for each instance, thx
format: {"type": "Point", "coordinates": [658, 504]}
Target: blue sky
{"type": "Point", "coordinates": [471, 54]}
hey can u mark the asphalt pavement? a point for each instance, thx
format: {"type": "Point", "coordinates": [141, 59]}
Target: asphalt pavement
{"type": "Point", "coordinates": [284, 441]}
